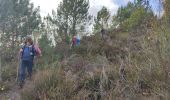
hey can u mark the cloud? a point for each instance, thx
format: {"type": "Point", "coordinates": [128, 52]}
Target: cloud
{"type": "Point", "coordinates": [96, 5]}
{"type": "Point", "coordinates": [47, 6]}
{"type": "Point", "coordinates": [112, 5]}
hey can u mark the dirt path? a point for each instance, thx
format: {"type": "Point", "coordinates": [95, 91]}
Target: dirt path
{"type": "Point", "coordinates": [14, 92]}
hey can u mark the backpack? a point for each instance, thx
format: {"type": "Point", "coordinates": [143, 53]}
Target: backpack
{"type": "Point", "coordinates": [37, 50]}
{"type": "Point", "coordinates": [74, 40]}
{"type": "Point", "coordinates": [28, 53]}
{"type": "Point", "coordinates": [78, 41]}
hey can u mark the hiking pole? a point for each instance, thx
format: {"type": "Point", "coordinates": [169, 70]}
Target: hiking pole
{"type": "Point", "coordinates": [18, 65]}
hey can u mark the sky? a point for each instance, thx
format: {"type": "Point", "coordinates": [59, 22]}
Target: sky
{"type": "Point", "coordinates": [47, 6]}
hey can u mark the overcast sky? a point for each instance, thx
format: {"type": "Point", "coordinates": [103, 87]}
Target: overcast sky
{"type": "Point", "coordinates": [95, 5]}
{"type": "Point", "coordinates": [46, 6]}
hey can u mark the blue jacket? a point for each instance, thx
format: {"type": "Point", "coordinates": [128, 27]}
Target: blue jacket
{"type": "Point", "coordinates": [28, 53]}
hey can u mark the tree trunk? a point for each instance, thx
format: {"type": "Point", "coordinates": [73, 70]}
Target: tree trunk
{"type": "Point", "coordinates": [66, 29]}
{"type": "Point", "coordinates": [74, 25]}
{"type": "Point", "coordinates": [73, 29]}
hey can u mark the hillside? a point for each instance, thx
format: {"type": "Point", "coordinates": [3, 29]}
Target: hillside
{"type": "Point", "coordinates": [120, 67]}
{"type": "Point", "coordinates": [126, 57]}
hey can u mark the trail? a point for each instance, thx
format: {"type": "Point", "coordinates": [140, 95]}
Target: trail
{"type": "Point", "coordinates": [14, 93]}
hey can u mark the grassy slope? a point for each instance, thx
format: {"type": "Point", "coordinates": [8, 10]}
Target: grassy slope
{"type": "Point", "coordinates": [122, 66]}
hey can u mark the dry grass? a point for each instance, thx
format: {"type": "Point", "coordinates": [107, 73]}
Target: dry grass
{"type": "Point", "coordinates": [129, 68]}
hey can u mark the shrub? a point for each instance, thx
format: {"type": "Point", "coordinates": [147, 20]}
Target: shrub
{"type": "Point", "coordinates": [49, 85]}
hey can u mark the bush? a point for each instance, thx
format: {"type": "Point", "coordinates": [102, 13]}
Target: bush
{"type": "Point", "coordinates": [9, 71]}
{"type": "Point", "coordinates": [49, 85]}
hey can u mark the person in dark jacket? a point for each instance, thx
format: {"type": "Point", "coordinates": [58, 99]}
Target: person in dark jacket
{"type": "Point", "coordinates": [103, 32]}
{"type": "Point", "coordinates": [27, 53]}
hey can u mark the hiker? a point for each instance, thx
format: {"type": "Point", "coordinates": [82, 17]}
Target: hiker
{"type": "Point", "coordinates": [77, 40]}
{"type": "Point", "coordinates": [74, 41]}
{"type": "Point", "coordinates": [103, 32]}
{"type": "Point", "coordinates": [27, 54]}
{"type": "Point", "coordinates": [37, 50]}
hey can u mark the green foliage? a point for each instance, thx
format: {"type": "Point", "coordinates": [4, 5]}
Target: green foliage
{"type": "Point", "coordinates": [124, 13]}
{"type": "Point", "coordinates": [45, 44]}
{"type": "Point", "coordinates": [71, 16]}
{"type": "Point", "coordinates": [144, 71]}
{"type": "Point", "coordinates": [9, 71]}
{"type": "Point", "coordinates": [103, 15]}
{"type": "Point", "coordinates": [135, 15]}
{"type": "Point", "coordinates": [96, 67]}
{"type": "Point", "coordinates": [18, 19]}
{"type": "Point", "coordinates": [102, 19]}
{"type": "Point", "coordinates": [136, 18]}
{"type": "Point", "coordinates": [48, 53]}
{"type": "Point", "coordinates": [166, 13]}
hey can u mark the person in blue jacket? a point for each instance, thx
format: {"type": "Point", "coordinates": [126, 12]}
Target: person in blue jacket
{"type": "Point", "coordinates": [78, 40]}
{"type": "Point", "coordinates": [27, 53]}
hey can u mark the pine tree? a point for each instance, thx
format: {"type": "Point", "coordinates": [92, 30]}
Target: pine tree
{"type": "Point", "coordinates": [18, 18]}
{"type": "Point", "coordinates": [102, 19]}
{"type": "Point", "coordinates": [71, 15]}
{"type": "Point", "coordinates": [166, 10]}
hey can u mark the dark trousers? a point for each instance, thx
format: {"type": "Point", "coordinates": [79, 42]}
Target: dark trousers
{"type": "Point", "coordinates": [22, 69]}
